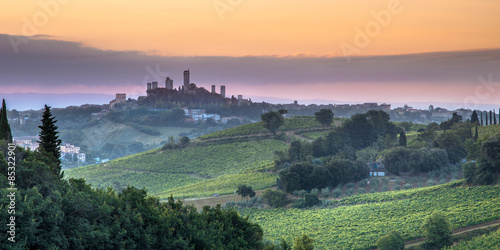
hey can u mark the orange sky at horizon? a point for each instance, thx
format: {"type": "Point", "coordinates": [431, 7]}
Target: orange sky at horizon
{"type": "Point", "coordinates": [258, 27]}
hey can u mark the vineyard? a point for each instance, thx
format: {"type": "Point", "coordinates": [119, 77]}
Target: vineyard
{"type": "Point", "coordinates": [487, 241]}
{"type": "Point", "coordinates": [359, 226]}
{"type": "Point", "coordinates": [222, 185]}
{"type": "Point", "coordinates": [297, 122]}
{"type": "Point", "coordinates": [159, 171]}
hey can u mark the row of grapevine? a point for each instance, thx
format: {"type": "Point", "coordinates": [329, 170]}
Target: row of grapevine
{"type": "Point", "coordinates": [159, 171]}
{"type": "Point", "coordinates": [226, 184]}
{"type": "Point", "coordinates": [359, 226]}
{"type": "Point", "coordinates": [487, 241]}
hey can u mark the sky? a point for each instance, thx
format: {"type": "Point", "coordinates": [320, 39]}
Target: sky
{"type": "Point", "coordinates": [339, 51]}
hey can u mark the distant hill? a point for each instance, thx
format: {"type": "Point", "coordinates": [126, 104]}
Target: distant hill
{"type": "Point", "coordinates": [36, 101]}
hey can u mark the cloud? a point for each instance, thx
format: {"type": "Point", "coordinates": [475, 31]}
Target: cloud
{"type": "Point", "coordinates": [55, 64]}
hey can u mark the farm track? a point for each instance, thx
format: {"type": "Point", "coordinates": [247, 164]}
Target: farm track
{"type": "Point", "coordinates": [457, 232]}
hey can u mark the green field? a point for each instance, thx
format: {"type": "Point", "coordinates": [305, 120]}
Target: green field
{"type": "Point", "coordinates": [164, 172]}
{"type": "Point", "coordinates": [369, 216]}
{"type": "Point", "coordinates": [297, 122]}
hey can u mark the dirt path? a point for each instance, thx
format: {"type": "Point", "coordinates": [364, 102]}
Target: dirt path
{"type": "Point", "coordinates": [457, 232]}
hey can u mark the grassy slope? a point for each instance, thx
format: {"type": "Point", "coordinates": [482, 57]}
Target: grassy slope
{"type": "Point", "coordinates": [297, 122]}
{"type": "Point", "coordinates": [359, 226]}
{"type": "Point", "coordinates": [165, 172]}
{"type": "Point", "coordinates": [106, 131]}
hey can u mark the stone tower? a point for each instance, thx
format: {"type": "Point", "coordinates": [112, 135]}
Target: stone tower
{"type": "Point", "coordinates": [169, 84]}
{"type": "Point", "coordinates": [223, 91]}
{"type": "Point", "coordinates": [186, 79]}
{"type": "Point", "coordinates": [213, 89]}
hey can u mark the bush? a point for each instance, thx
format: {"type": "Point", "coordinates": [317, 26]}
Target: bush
{"type": "Point", "coordinates": [396, 187]}
{"type": "Point", "coordinates": [301, 193]}
{"type": "Point", "coordinates": [393, 240]}
{"type": "Point", "coordinates": [295, 193]}
{"type": "Point", "coordinates": [276, 198]}
{"type": "Point", "coordinates": [325, 192]}
{"type": "Point", "coordinates": [361, 190]}
{"type": "Point", "coordinates": [350, 185]}
{"type": "Point", "coordinates": [337, 192]}
{"type": "Point", "coordinates": [315, 191]}
{"type": "Point", "coordinates": [230, 204]}
{"type": "Point", "coordinates": [437, 230]}
{"type": "Point", "coordinates": [312, 200]}
{"type": "Point", "coordinates": [430, 182]}
{"type": "Point", "coordinates": [303, 243]}
{"type": "Point", "coordinates": [407, 186]}
{"type": "Point", "coordinates": [442, 181]}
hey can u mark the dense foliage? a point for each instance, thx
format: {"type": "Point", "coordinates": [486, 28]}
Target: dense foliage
{"type": "Point", "coordinates": [52, 213]}
{"type": "Point", "coordinates": [485, 171]}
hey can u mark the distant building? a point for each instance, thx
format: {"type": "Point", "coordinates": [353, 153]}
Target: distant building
{"type": "Point", "coordinates": [213, 89]}
{"type": "Point", "coordinates": [120, 98]}
{"type": "Point", "coordinates": [376, 168]}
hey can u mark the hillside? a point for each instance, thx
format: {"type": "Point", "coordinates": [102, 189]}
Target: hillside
{"type": "Point", "coordinates": [164, 172]}
{"type": "Point", "coordinates": [357, 222]}
{"type": "Point", "coordinates": [201, 169]}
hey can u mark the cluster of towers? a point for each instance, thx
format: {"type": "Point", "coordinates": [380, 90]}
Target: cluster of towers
{"type": "Point", "coordinates": [185, 88]}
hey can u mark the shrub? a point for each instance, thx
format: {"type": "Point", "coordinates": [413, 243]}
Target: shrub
{"type": "Point", "coordinates": [325, 192]}
{"type": "Point", "coordinates": [437, 230]}
{"type": "Point", "coordinates": [390, 241]}
{"type": "Point", "coordinates": [337, 192]}
{"type": "Point", "coordinates": [407, 186]}
{"type": "Point", "coordinates": [276, 198]}
{"type": "Point", "coordinates": [350, 185]}
{"type": "Point", "coordinates": [315, 191]}
{"type": "Point", "coordinates": [396, 187]}
{"type": "Point", "coordinates": [301, 193]}
{"type": "Point", "coordinates": [431, 182]}
{"type": "Point", "coordinates": [295, 193]}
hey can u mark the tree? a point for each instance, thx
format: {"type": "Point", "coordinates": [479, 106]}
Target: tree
{"type": "Point", "coordinates": [276, 198]}
{"type": "Point", "coordinates": [474, 118]}
{"type": "Point", "coordinates": [476, 135]}
{"type": "Point", "coordinates": [491, 118]}
{"type": "Point", "coordinates": [494, 117]}
{"type": "Point", "coordinates": [402, 139]}
{"type": "Point", "coordinates": [437, 230]}
{"type": "Point", "coordinates": [245, 191]}
{"type": "Point", "coordinates": [272, 120]}
{"type": "Point", "coordinates": [392, 240]}
{"type": "Point", "coordinates": [396, 160]}
{"type": "Point", "coordinates": [5, 132]}
{"type": "Point", "coordinates": [49, 140]}
{"type": "Point", "coordinates": [481, 117]}
{"type": "Point", "coordinates": [324, 116]}
{"type": "Point", "coordinates": [303, 243]}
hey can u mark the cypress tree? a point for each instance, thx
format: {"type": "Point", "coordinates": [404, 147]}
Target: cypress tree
{"type": "Point", "coordinates": [474, 118]}
{"type": "Point", "coordinates": [481, 118]}
{"type": "Point", "coordinates": [476, 135]}
{"type": "Point", "coordinates": [491, 118]}
{"type": "Point", "coordinates": [49, 140]}
{"type": "Point", "coordinates": [402, 139]}
{"type": "Point", "coordinates": [486, 118]}
{"type": "Point", "coordinates": [5, 132]}
{"type": "Point", "coordinates": [494, 117]}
